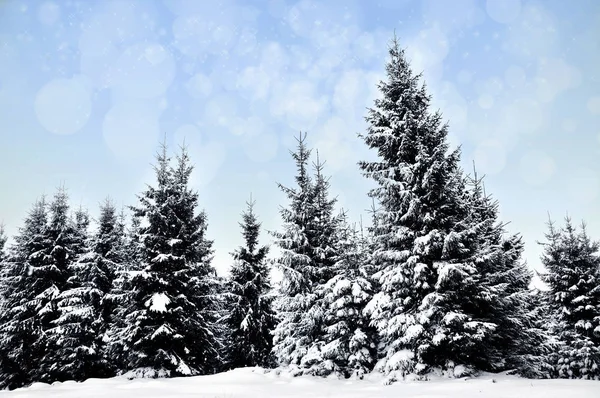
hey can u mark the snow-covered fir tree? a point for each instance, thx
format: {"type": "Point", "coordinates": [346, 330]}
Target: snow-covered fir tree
{"type": "Point", "coordinates": [67, 236]}
{"type": "Point", "coordinates": [419, 194]}
{"type": "Point", "coordinates": [430, 245]}
{"type": "Point", "coordinates": [171, 323]}
{"type": "Point", "coordinates": [572, 264]}
{"type": "Point", "coordinates": [38, 271]}
{"type": "Point", "coordinates": [250, 318]}
{"type": "Point", "coordinates": [84, 316]}
{"type": "Point", "coordinates": [349, 342]}
{"type": "Point", "coordinates": [20, 329]}
{"type": "Point", "coordinates": [306, 261]}
{"type": "Point", "coordinates": [126, 256]}
{"type": "Point", "coordinates": [483, 315]}
{"type": "Point", "coordinates": [323, 226]}
{"type": "Point", "coordinates": [295, 264]}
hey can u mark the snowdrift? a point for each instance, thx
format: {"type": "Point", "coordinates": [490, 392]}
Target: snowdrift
{"type": "Point", "coordinates": [254, 383]}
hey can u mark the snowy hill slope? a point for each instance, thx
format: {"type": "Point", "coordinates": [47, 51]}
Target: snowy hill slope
{"type": "Point", "coordinates": [245, 383]}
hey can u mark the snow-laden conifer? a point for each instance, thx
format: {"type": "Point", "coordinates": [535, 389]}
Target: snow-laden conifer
{"type": "Point", "coordinates": [250, 318]}
{"type": "Point", "coordinates": [64, 320]}
{"type": "Point", "coordinates": [348, 344]}
{"type": "Point", "coordinates": [572, 264]}
{"type": "Point", "coordinates": [171, 323]}
{"type": "Point", "coordinates": [308, 252]}
{"type": "Point", "coordinates": [451, 285]}
{"type": "Point", "coordinates": [20, 328]}
{"type": "Point", "coordinates": [419, 192]}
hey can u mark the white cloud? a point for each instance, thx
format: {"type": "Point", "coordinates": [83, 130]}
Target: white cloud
{"type": "Point", "coordinates": [97, 66]}
{"type": "Point", "coordinates": [490, 157]}
{"type": "Point", "coordinates": [253, 83]}
{"type": "Point", "coordinates": [131, 129]}
{"type": "Point", "coordinates": [427, 52]}
{"type": "Point", "coordinates": [63, 106]}
{"type": "Point", "coordinates": [464, 77]}
{"type": "Point", "coordinates": [219, 110]}
{"type": "Point", "coordinates": [277, 8]}
{"type": "Point", "coordinates": [537, 167]}
{"type": "Point", "coordinates": [144, 70]}
{"type": "Point", "coordinates": [225, 76]}
{"type": "Point", "coordinates": [332, 140]}
{"type": "Point", "coordinates": [593, 105]}
{"type": "Point", "coordinates": [273, 59]}
{"type": "Point", "coordinates": [491, 86]}
{"type": "Point", "coordinates": [248, 127]}
{"type": "Point", "coordinates": [503, 11]}
{"type": "Point", "coordinates": [523, 116]}
{"type": "Point", "coordinates": [261, 147]}
{"type": "Point", "coordinates": [48, 13]}
{"type": "Point", "coordinates": [192, 35]}
{"type": "Point", "coordinates": [247, 42]}
{"type": "Point", "coordinates": [485, 101]}
{"type": "Point", "coordinates": [299, 104]}
{"type": "Point", "coordinates": [515, 76]}
{"type": "Point", "coordinates": [447, 98]}
{"type": "Point", "coordinates": [583, 186]}
{"type": "Point", "coordinates": [555, 76]}
{"type": "Point", "coordinates": [569, 125]}
{"type": "Point", "coordinates": [371, 46]}
{"type": "Point", "coordinates": [209, 158]}
{"type": "Point", "coordinates": [533, 34]}
{"type": "Point", "coordinates": [188, 133]}
{"type": "Point", "coordinates": [452, 16]}
{"type": "Point", "coordinates": [215, 28]}
{"type": "Point", "coordinates": [349, 91]}
{"type": "Point", "coordinates": [319, 20]}
{"type": "Point", "coordinates": [199, 86]}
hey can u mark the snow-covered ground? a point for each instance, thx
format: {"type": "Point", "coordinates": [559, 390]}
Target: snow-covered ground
{"type": "Point", "coordinates": [245, 383]}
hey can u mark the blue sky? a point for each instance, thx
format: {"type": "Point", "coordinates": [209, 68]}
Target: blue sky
{"type": "Point", "coordinates": [89, 88]}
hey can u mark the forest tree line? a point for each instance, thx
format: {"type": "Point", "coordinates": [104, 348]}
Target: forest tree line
{"type": "Point", "coordinates": [434, 284]}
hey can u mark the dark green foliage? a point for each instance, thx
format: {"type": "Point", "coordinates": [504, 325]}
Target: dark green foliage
{"type": "Point", "coordinates": [453, 290]}
{"type": "Point", "coordinates": [171, 321]}
{"type": "Point", "coordinates": [572, 262]}
{"type": "Point", "coordinates": [308, 254]}
{"type": "Point", "coordinates": [20, 326]}
{"type": "Point", "coordinates": [250, 320]}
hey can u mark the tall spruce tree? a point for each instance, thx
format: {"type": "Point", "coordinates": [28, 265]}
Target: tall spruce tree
{"type": "Point", "coordinates": [419, 193]}
{"type": "Point", "coordinates": [307, 261]}
{"type": "Point", "coordinates": [20, 329]}
{"type": "Point", "coordinates": [572, 263]}
{"type": "Point", "coordinates": [68, 239]}
{"type": "Point", "coordinates": [171, 323]}
{"type": "Point", "coordinates": [84, 319]}
{"type": "Point", "coordinates": [250, 319]}
{"type": "Point", "coordinates": [38, 273]}
{"type": "Point", "coordinates": [437, 260]}
{"type": "Point", "coordinates": [290, 340]}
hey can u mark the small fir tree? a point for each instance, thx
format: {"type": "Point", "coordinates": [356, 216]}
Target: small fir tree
{"type": "Point", "coordinates": [348, 348]}
{"type": "Point", "coordinates": [250, 319]}
{"type": "Point", "coordinates": [573, 273]}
